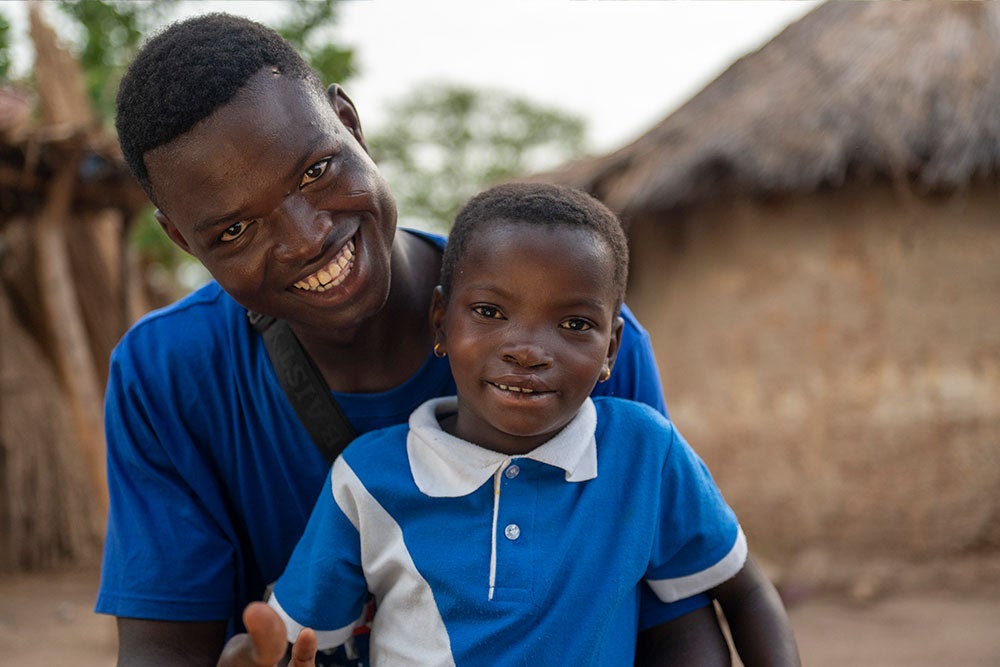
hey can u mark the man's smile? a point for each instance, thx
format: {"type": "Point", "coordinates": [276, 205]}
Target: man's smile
{"type": "Point", "coordinates": [331, 275]}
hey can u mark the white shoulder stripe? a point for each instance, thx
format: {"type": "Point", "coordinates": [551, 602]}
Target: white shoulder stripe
{"type": "Point", "coordinates": [408, 628]}
{"type": "Point", "coordinates": [671, 590]}
{"type": "Point", "coordinates": [327, 638]}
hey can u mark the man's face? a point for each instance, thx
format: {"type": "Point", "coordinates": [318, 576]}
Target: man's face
{"type": "Point", "coordinates": [280, 201]}
{"type": "Point", "coordinates": [528, 327]}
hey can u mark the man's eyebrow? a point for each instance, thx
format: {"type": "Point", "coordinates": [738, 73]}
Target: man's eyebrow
{"type": "Point", "coordinates": [306, 160]}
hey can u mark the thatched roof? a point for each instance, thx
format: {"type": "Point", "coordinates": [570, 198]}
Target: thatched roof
{"type": "Point", "coordinates": [903, 90]}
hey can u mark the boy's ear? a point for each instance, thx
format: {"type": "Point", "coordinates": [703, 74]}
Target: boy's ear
{"type": "Point", "coordinates": [615, 343]}
{"type": "Point", "coordinates": [439, 307]}
{"type": "Point", "coordinates": [172, 231]}
{"type": "Point", "coordinates": [347, 112]}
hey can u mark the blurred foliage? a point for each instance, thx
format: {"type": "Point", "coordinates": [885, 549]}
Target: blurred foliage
{"type": "Point", "coordinates": [110, 32]}
{"type": "Point", "coordinates": [304, 28]}
{"type": "Point", "coordinates": [445, 143]}
{"type": "Point", "coordinates": [4, 47]}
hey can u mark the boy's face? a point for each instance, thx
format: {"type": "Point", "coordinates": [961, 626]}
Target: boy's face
{"type": "Point", "coordinates": [529, 326]}
{"type": "Point", "coordinates": [276, 195]}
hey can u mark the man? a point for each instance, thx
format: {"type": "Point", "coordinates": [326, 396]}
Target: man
{"type": "Point", "coordinates": [265, 178]}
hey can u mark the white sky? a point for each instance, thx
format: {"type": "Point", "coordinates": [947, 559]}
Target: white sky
{"type": "Point", "coordinates": [622, 65]}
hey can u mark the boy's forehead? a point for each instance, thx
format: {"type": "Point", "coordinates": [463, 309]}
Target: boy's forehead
{"type": "Point", "coordinates": [507, 236]}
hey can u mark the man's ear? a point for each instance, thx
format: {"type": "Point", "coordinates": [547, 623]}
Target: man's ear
{"type": "Point", "coordinates": [439, 308]}
{"type": "Point", "coordinates": [615, 343]}
{"type": "Point", "coordinates": [347, 112]}
{"type": "Point", "coordinates": [172, 231]}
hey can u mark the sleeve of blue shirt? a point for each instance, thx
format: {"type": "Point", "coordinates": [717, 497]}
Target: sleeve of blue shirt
{"type": "Point", "coordinates": [155, 517]}
{"type": "Point", "coordinates": [324, 586]}
{"type": "Point", "coordinates": [699, 544]}
{"type": "Point", "coordinates": [637, 377]}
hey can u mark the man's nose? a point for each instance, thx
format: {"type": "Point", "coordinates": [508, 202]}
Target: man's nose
{"type": "Point", "coordinates": [299, 229]}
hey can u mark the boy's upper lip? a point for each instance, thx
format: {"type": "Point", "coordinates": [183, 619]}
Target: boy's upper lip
{"type": "Point", "coordinates": [530, 382]}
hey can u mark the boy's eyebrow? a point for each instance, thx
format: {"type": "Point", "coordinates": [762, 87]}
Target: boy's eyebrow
{"type": "Point", "coordinates": [568, 303]}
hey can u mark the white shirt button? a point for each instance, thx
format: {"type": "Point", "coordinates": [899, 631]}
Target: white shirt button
{"type": "Point", "coordinates": [512, 470]}
{"type": "Point", "coordinates": [512, 531]}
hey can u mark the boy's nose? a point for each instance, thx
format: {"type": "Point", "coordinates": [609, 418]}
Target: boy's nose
{"type": "Point", "coordinates": [526, 354]}
{"type": "Point", "coordinates": [299, 230]}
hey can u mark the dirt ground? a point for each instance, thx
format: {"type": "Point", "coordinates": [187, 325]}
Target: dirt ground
{"type": "Point", "coordinates": [48, 619]}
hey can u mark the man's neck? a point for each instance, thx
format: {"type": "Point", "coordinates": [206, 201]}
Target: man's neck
{"type": "Point", "coordinates": [387, 350]}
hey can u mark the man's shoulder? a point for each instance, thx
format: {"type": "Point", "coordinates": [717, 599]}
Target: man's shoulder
{"type": "Point", "coordinates": [202, 324]}
{"type": "Point", "coordinates": [204, 309]}
{"type": "Point", "coordinates": [433, 238]}
{"type": "Point", "coordinates": [626, 415]}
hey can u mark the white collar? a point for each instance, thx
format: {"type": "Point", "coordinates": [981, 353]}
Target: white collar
{"type": "Point", "coordinates": [444, 466]}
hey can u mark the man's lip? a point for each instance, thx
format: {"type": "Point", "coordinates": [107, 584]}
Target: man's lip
{"type": "Point", "coordinates": [333, 272]}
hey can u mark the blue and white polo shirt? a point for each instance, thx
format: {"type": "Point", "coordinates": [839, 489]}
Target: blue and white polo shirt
{"type": "Point", "coordinates": [479, 558]}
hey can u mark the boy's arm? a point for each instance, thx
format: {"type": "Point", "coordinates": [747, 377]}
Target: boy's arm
{"type": "Point", "coordinates": [692, 639]}
{"type": "Point", "coordinates": [757, 619]}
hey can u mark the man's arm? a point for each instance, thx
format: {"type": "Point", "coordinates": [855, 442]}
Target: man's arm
{"type": "Point", "coordinates": [143, 643]}
{"type": "Point", "coordinates": [757, 619]}
{"type": "Point", "coordinates": [191, 644]}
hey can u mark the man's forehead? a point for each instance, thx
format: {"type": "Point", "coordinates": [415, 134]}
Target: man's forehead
{"type": "Point", "coordinates": [266, 101]}
{"type": "Point", "coordinates": [260, 115]}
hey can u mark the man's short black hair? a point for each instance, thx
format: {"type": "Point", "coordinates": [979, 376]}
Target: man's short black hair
{"type": "Point", "coordinates": [537, 204]}
{"type": "Point", "coordinates": [183, 74]}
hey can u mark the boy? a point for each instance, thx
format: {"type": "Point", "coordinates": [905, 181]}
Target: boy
{"type": "Point", "coordinates": [264, 177]}
{"type": "Point", "coordinates": [521, 514]}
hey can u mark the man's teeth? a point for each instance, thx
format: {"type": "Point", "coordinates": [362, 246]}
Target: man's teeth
{"type": "Point", "coordinates": [521, 390]}
{"type": "Point", "coordinates": [333, 273]}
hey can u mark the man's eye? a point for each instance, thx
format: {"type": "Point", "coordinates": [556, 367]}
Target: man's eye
{"type": "Point", "coordinates": [490, 312]}
{"type": "Point", "coordinates": [234, 231]}
{"type": "Point", "coordinates": [576, 324]}
{"type": "Point", "coordinates": [314, 172]}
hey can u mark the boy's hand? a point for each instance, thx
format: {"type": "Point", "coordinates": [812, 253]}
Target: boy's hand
{"type": "Point", "coordinates": [264, 644]}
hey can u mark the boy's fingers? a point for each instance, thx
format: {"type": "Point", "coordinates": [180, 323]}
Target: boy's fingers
{"type": "Point", "coordinates": [264, 645]}
{"type": "Point", "coordinates": [304, 650]}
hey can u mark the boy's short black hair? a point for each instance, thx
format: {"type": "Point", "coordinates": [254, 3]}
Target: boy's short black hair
{"type": "Point", "coordinates": [183, 74]}
{"type": "Point", "coordinates": [539, 204]}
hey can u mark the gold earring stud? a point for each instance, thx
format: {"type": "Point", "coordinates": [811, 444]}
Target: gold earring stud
{"type": "Point", "coordinates": [438, 352]}
{"type": "Point", "coordinates": [605, 374]}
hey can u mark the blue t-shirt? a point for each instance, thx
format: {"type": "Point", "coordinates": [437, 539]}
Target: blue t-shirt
{"type": "Point", "coordinates": [211, 474]}
{"type": "Point", "coordinates": [541, 556]}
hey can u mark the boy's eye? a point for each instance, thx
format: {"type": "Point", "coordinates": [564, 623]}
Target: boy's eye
{"type": "Point", "coordinates": [490, 312]}
{"type": "Point", "coordinates": [234, 231]}
{"type": "Point", "coordinates": [314, 172]}
{"type": "Point", "coordinates": [576, 324]}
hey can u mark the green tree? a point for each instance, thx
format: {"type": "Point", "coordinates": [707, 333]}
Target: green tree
{"type": "Point", "coordinates": [445, 143]}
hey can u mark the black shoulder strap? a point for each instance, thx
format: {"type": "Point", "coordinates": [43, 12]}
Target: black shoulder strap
{"type": "Point", "coordinates": [305, 387]}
